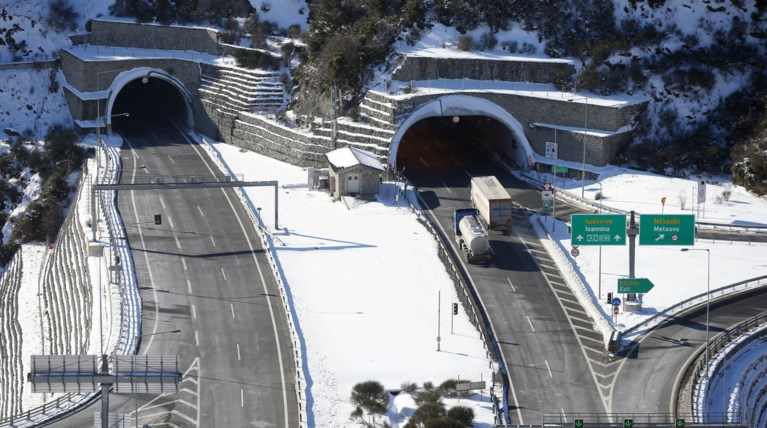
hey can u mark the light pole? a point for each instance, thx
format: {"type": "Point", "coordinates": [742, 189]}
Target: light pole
{"type": "Point", "coordinates": [708, 294]}
{"type": "Point", "coordinates": [600, 247]}
{"type": "Point", "coordinates": [583, 165]}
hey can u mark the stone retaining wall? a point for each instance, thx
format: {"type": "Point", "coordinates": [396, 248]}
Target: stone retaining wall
{"type": "Point", "coordinates": [424, 68]}
{"type": "Point", "coordinates": [151, 36]}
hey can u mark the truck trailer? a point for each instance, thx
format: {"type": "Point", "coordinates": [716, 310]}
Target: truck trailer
{"type": "Point", "coordinates": [492, 201]}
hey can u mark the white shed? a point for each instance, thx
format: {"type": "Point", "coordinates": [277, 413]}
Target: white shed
{"type": "Point", "coordinates": [353, 172]}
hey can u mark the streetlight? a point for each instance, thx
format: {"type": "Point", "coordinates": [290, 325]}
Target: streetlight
{"type": "Point", "coordinates": [585, 122]}
{"type": "Point", "coordinates": [600, 247]}
{"type": "Point", "coordinates": [708, 295]}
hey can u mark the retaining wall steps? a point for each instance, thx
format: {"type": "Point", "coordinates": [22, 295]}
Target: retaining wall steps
{"type": "Point", "coordinates": [235, 89]}
{"type": "Point", "coordinates": [11, 368]}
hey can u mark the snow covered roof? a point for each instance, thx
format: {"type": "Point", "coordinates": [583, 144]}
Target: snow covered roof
{"type": "Point", "coordinates": [347, 157]}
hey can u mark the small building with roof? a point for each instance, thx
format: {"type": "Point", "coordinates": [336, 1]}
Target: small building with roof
{"type": "Point", "coordinates": [353, 172]}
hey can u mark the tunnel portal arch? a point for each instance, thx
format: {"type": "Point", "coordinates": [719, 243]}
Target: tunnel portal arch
{"type": "Point", "coordinates": [463, 105]}
{"type": "Point", "coordinates": [126, 77]}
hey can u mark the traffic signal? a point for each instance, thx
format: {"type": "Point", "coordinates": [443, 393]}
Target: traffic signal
{"type": "Point", "coordinates": [455, 308]}
{"type": "Point", "coordinates": [609, 297]}
{"type": "Point", "coordinates": [578, 423]}
{"type": "Point", "coordinates": [628, 423]}
{"type": "Point", "coordinates": [157, 219]}
{"type": "Point", "coordinates": [679, 423]}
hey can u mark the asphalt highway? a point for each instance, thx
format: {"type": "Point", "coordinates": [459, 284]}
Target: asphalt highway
{"type": "Point", "coordinates": [201, 271]}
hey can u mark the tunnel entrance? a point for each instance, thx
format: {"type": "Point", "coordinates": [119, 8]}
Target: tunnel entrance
{"type": "Point", "coordinates": [477, 122]}
{"type": "Point", "coordinates": [146, 99]}
{"type": "Point", "coordinates": [454, 147]}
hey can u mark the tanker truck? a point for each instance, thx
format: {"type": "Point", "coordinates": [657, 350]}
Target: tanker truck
{"type": "Point", "coordinates": [471, 236]}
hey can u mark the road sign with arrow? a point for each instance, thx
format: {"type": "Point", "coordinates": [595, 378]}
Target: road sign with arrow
{"type": "Point", "coordinates": [667, 229]}
{"type": "Point", "coordinates": [598, 229]}
{"type": "Point", "coordinates": [634, 285]}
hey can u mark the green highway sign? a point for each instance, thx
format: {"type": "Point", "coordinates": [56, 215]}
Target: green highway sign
{"type": "Point", "coordinates": [598, 229]}
{"type": "Point", "coordinates": [679, 423]}
{"type": "Point", "coordinates": [578, 423]}
{"type": "Point", "coordinates": [634, 285]}
{"type": "Point", "coordinates": [559, 169]}
{"type": "Point", "coordinates": [667, 229]}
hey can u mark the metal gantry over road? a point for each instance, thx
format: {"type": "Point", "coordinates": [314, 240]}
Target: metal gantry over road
{"type": "Point", "coordinates": [160, 182]}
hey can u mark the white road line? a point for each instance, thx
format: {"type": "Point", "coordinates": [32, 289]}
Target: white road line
{"type": "Point", "coordinates": [223, 273]}
{"type": "Point", "coordinates": [171, 160]}
{"type": "Point", "coordinates": [238, 352]}
{"type": "Point", "coordinates": [424, 162]}
{"type": "Point", "coordinates": [531, 323]}
{"type": "Point", "coordinates": [183, 262]}
{"type": "Point", "coordinates": [467, 173]}
{"type": "Point", "coordinates": [454, 160]}
{"type": "Point", "coordinates": [200, 210]}
{"type": "Point", "coordinates": [508, 279]}
{"type": "Point", "coordinates": [242, 398]}
{"type": "Point", "coordinates": [178, 244]}
{"type": "Point", "coordinates": [564, 415]}
{"type": "Point", "coordinates": [170, 221]}
{"type": "Point", "coordinates": [548, 368]}
{"type": "Point", "coordinates": [197, 338]}
{"type": "Point", "coordinates": [146, 253]}
{"type": "Point", "coordinates": [447, 188]}
{"type": "Point", "coordinates": [162, 202]}
{"type": "Point", "coordinates": [194, 312]}
{"type": "Point", "coordinates": [232, 306]}
{"type": "Point", "coordinates": [263, 284]}
{"type": "Point", "coordinates": [212, 240]}
{"type": "Point", "coordinates": [189, 286]}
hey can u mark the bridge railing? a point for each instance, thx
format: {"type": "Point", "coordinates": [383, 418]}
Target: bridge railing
{"type": "Point", "coordinates": [701, 372]}
{"type": "Point", "coordinates": [653, 321]}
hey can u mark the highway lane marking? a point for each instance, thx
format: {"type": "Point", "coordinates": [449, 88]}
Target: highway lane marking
{"type": "Point", "coordinates": [189, 286]}
{"type": "Point", "coordinates": [231, 305]}
{"type": "Point", "coordinates": [197, 338]}
{"type": "Point", "coordinates": [223, 273]}
{"type": "Point", "coordinates": [238, 352]}
{"type": "Point", "coordinates": [548, 368]}
{"type": "Point", "coordinates": [183, 262]}
{"type": "Point", "coordinates": [447, 188]}
{"type": "Point", "coordinates": [200, 210]}
{"type": "Point", "coordinates": [468, 173]}
{"type": "Point", "coordinates": [178, 244]}
{"type": "Point", "coordinates": [531, 323]}
{"type": "Point", "coordinates": [171, 160]}
{"type": "Point", "coordinates": [170, 221]}
{"type": "Point", "coordinates": [507, 279]}
{"type": "Point", "coordinates": [212, 240]}
{"type": "Point", "coordinates": [503, 357]}
{"type": "Point", "coordinates": [242, 398]}
{"type": "Point", "coordinates": [284, 388]}
{"type": "Point", "coordinates": [162, 202]}
{"type": "Point", "coordinates": [146, 253]}
{"type": "Point", "coordinates": [455, 160]}
{"type": "Point", "coordinates": [194, 312]}
{"type": "Point", "coordinates": [424, 162]}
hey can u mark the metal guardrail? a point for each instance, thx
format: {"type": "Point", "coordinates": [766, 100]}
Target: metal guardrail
{"type": "Point", "coordinates": [267, 240]}
{"type": "Point", "coordinates": [717, 344]}
{"type": "Point", "coordinates": [745, 229]}
{"type": "Point", "coordinates": [655, 320]}
{"type": "Point", "coordinates": [468, 294]}
{"type": "Point", "coordinates": [604, 420]}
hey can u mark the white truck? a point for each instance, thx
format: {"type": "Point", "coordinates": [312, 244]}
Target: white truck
{"type": "Point", "coordinates": [492, 201]}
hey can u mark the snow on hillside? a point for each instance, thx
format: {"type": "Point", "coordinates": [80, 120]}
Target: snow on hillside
{"type": "Point", "coordinates": [28, 105]}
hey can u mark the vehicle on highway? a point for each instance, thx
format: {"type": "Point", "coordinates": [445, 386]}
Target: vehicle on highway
{"type": "Point", "coordinates": [492, 202]}
{"type": "Point", "coordinates": [471, 236]}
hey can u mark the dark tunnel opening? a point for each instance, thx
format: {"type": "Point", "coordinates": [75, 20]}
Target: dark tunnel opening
{"type": "Point", "coordinates": [148, 100]}
{"type": "Point", "coordinates": [440, 148]}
